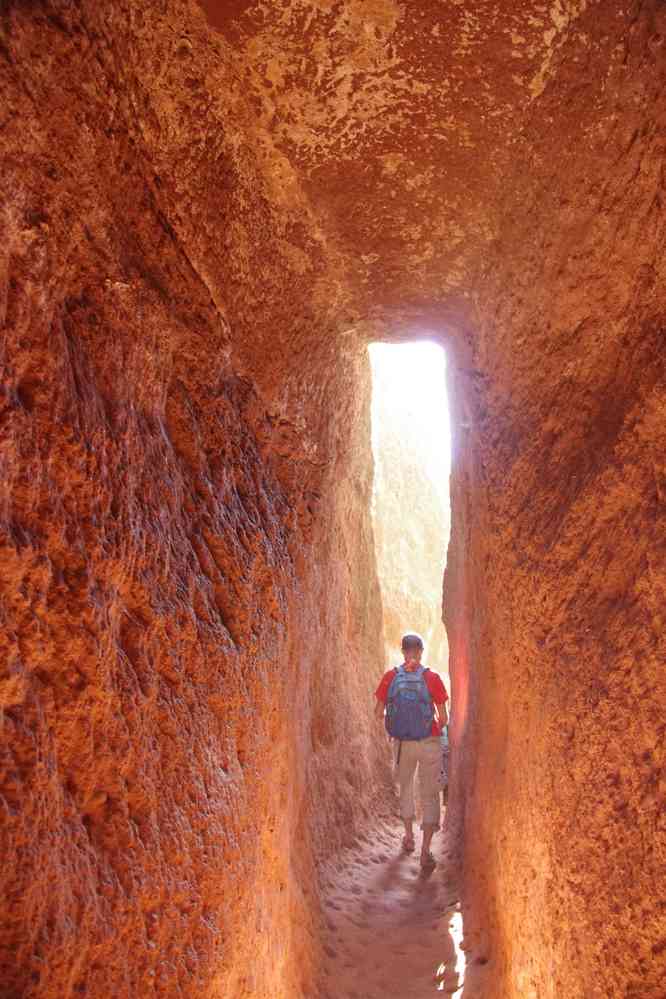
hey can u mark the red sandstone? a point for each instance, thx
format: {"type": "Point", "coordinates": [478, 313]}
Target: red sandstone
{"type": "Point", "coordinates": [206, 215]}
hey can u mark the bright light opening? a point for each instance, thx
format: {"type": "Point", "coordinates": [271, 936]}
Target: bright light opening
{"type": "Point", "coordinates": [411, 509]}
{"type": "Point", "coordinates": [450, 974]}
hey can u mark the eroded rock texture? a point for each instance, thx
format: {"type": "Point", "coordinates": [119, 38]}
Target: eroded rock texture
{"type": "Point", "coordinates": [205, 214]}
{"type": "Point", "coordinates": [186, 549]}
{"type": "Point", "coordinates": [556, 586]}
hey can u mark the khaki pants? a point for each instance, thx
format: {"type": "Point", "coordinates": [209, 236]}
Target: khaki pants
{"type": "Point", "coordinates": [427, 755]}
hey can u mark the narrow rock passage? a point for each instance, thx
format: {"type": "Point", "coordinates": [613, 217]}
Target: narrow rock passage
{"type": "Point", "coordinates": [391, 928]}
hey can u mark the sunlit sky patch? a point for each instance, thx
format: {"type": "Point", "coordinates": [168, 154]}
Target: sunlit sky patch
{"type": "Point", "coordinates": [414, 376]}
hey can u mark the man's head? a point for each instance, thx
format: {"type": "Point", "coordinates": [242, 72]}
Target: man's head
{"type": "Point", "coordinates": [412, 647]}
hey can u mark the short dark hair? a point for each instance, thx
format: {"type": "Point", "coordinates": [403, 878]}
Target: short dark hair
{"type": "Point", "coordinates": [411, 641]}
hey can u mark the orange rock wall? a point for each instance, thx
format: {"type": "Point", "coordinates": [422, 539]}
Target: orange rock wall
{"type": "Point", "coordinates": [191, 619]}
{"type": "Point", "coordinates": [202, 223]}
{"type": "Point", "coordinates": [555, 588]}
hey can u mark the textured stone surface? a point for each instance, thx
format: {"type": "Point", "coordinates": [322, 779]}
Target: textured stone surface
{"type": "Point", "coordinates": [556, 584]}
{"type": "Point", "coordinates": [186, 552]}
{"type": "Point", "coordinates": [203, 217]}
{"type": "Point", "coordinates": [401, 120]}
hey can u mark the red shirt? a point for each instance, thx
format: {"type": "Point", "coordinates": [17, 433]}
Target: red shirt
{"type": "Point", "coordinates": [436, 689]}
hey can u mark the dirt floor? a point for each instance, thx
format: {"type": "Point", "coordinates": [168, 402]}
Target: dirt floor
{"type": "Point", "coordinates": [393, 931]}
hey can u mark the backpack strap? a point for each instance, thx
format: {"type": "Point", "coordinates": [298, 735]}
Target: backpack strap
{"type": "Point", "coordinates": [396, 670]}
{"type": "Point", "coordinates": [424, 671]}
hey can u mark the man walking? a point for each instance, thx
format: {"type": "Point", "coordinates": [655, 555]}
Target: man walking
{"type": "Point", "coordinates": [414, 699]}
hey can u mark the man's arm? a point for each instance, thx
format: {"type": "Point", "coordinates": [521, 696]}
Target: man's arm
{"type": "Point", "coordinates": [379, 709]}
{"type": "Point", "coordinates": [442, 714]}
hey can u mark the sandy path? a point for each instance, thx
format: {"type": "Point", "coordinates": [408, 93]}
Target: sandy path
{"type": "Point", "coordinates": [392, 930]}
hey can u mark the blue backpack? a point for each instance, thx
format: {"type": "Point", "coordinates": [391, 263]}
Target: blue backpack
{"type": "Point", "coordinates": [409, 707]}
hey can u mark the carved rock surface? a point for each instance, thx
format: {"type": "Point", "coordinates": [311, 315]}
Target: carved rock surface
{"type": "Point", "coordinates": [207, 212]}
{"type": "Point", "coordinates": [555, 578]}
{"type": "Point", "coordinates": [188, 578]}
